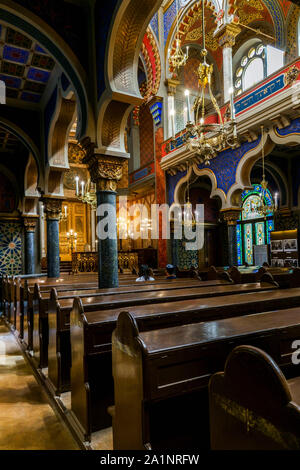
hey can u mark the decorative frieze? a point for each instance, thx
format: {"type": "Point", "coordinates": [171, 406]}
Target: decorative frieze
{"type": "Point", "coordinates": [231, 215]}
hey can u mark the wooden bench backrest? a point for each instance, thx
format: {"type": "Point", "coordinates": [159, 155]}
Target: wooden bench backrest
{"type": "Point", "coordinates": [250, 404]}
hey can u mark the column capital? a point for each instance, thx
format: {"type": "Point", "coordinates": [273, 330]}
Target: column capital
{"type": "Point", "coordinates": [227, 34]}
{"type": "Point", "coordinates": [231, 215]}
{"type": "Point", "coordinates": [52, 208]}
{"type": "Point", "coordinates": [172, 84]}
{"type": "Point", "coordinates": [105, 170]}
{"type": "Point", "coordinates": [30, 224]}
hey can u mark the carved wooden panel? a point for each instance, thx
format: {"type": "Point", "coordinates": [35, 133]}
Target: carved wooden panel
{"type": "Point", "coordinates": [78, 220]}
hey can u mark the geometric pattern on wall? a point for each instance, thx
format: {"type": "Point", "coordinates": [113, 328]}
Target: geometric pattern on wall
{"type": "Point", "coordinates": [24, 66]}
{"type": "Point", "coordinates": [146, 136]}
{"type": "Point", "coordinates": [10, 248]}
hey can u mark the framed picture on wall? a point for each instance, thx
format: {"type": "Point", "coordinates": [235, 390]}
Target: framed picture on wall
{"type": "Point", "coordinates": [291, 263]}
{"type": "Point", "coordinates": [276, 246]}
{"type": "Point", "coordinates": [290, 245]}
{"type": "Point", "coordinates": [277, 263]}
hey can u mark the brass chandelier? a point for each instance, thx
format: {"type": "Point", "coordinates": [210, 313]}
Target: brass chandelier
{"type": "Point", "coordinates": [86, 193]}
{"type": "Point", "coordinates": [264, 209]}
{"type": "Point", "coordinates": [178, 58]}
{"type": "Point", "coordinates": [207, 139]}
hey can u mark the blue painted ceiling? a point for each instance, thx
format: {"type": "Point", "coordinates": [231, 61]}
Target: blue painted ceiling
{"type": "Point", "coordinates": [24, 66]}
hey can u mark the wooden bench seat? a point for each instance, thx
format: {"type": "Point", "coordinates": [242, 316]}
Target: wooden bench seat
{"type": "Point", "coordinates": [91, 344]}
{"type": "Point", "coordinates": [252, 405]}
{"type": "Point", "coordinates": [38, 316]}
{"type": "Point", "coordinates": [161, 376]}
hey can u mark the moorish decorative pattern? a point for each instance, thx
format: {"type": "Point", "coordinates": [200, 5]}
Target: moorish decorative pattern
{"type": "Point", "coordinates": [10, 248]}
{"type": "Point", "coordinates": [224, 166]}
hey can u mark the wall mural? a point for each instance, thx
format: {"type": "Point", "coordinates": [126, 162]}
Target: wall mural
{"type": "Point", "coordinates": [10, 248]}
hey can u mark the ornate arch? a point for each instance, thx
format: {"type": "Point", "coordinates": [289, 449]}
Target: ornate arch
{"type": "Point", "coordinates": [151, 56]}
{"type": "Point", "coordinates": [292, 32]}
{"type": "Point", "coordinates": [274, 9]}
{"type": "Point", "coordinates": [27, 142]}
{"type": "Point", "coordinates": [215, 191]}
{"type": "Point", "coordinates": [122, 92]}
{"type": "Point", "coordinates": [188, 17]}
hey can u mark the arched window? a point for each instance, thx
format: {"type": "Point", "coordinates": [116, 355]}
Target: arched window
{"type": "Point", "coordinates": [253, 229]}
{"type": "Point", "coordinates": [254, 73]}
{"type": "Point", "coordinates": [250, 69]}
{"type": "Point", "coordinates": [257, 63]}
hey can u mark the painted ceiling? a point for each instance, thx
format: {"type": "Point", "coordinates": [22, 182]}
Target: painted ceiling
{"type": "Point", "coordinates": [24, 66]}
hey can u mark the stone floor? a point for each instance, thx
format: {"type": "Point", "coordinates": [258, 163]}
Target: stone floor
{"type": "Point", "coordinates": [27, 421]}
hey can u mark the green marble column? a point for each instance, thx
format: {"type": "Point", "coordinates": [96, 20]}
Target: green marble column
{"type": "Point", "coordinates": [105, 172]}
{"type": "Point", "coordinates": [108, 248]}
{"type": "Point", "coordinates": [30, 226]}
{"type": "Point", "coordinates": [53, 211]}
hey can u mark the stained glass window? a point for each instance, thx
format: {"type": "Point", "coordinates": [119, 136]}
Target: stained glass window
{"type": "Point", "coordinates": [260, 233]}
{"type": "Point", "coordinates": [253, 229]}
{"type": "Point", "coordinates": [248, 243]}
{"type": "Point", "coordinates": [270, 228]}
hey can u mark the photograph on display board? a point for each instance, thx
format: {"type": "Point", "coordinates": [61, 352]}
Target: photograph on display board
{"type": "Point", "coordinates": [276, 245]}
{"type": "Point", "coordinates": [290, 245]}
{"type": "Point", "coordinates": [291, 263]}
{"type": "Point", "coordinates": [277, 263]}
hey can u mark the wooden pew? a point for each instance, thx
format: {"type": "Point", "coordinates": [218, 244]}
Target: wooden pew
{"type": "Point", "coordinates": [285, 277]}
{"type": "Point", "coordinates": [161, 376]}
{"type": "Point", "coordinates": [38, 315]}
{"type": "Point", "coordinates": [59, 351]}
{"type": "Point", "coordinates": [252, 405]}
{"type": "Point", "coordinates": [91, 383]}
{"type": "Point", "coordinates": [26, 303]}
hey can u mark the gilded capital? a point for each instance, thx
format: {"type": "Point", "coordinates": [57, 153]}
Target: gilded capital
{"type": "Point", "coordinates": [231, 215]}
{"type": "Point", "coordinates": [30, 224]}
{"type": "Point", "coordinates": [105, 171]}
{"type": "Point", "coordinates": [52, 208]}
{"type": "Point", "coordinates": [227, 34]}
{"type": "Point", "coordinates": [172, 84]}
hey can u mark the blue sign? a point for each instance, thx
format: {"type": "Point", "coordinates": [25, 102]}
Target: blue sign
{"type": "Point", "coordinates": [263, 92]}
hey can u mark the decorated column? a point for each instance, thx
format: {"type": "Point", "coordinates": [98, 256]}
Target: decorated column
{"type": "Point", "coordinates": [52, 209]}
{"type": "Point", "coordinates": [105, 172]}
{"type": "Point", "coordinates": [231, 216]}
{"type": "Point", "coordinates": [226, 37]}
{"type": "Point", "coordinates": [30, 258]}
{"type": "Point", "coordinates": [171, 85]}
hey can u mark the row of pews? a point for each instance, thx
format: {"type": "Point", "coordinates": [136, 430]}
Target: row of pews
{"type": "Point", "coordinates": [143, 358]}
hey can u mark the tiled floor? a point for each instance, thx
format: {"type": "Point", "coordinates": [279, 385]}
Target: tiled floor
{"type": "Point", "coordinates": [27, 421]}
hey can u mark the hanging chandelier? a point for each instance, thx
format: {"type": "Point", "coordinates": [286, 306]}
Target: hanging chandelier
{"type": "Point", "coordinates": [178, 58]}
{"type": "Point", "coordinates": [86, 193]}
{"type": "Point", "coordinates": [263, 208]}
{"type": "Point", "coordinates": [207, 139]}
{"type": "Point", "coordinates": [190, 217]}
